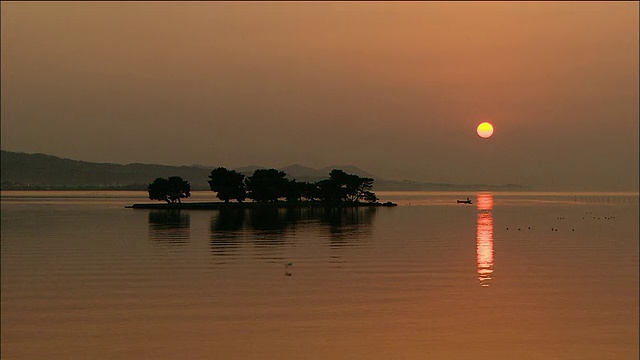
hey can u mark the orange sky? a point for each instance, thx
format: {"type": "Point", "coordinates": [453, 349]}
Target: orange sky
{"type": "Point", "coordinates": [394, 88]}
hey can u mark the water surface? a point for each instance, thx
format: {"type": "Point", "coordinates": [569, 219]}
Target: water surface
{"type": "Point", "coordinates": [514, 275]}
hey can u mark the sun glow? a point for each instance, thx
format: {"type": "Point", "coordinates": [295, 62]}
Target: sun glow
{"type": "Point", "coordinates": [485, 130]}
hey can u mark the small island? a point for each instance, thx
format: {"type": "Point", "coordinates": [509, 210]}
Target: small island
{"type": "Point", "coordinates": [266, 188]}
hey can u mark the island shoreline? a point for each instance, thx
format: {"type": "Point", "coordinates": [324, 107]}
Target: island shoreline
{"type": "Point", "coordinates": [252, 205]}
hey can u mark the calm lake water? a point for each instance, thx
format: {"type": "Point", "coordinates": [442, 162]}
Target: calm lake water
{"type": "Point", "coordinates": [512, 276]}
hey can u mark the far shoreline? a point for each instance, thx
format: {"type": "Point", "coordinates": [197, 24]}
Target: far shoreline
{"type": "Point", "coordinates": [542, 192]}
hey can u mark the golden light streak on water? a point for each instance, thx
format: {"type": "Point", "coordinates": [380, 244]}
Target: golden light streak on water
{"type": "Point", "coordinates": [484, 239]}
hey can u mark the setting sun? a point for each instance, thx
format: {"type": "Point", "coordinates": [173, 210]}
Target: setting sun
{"type": "Point", "coordinates": [485, 130]}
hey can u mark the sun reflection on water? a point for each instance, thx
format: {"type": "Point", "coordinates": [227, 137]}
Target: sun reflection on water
{"type": "Point", "coordinates": [484, 239]}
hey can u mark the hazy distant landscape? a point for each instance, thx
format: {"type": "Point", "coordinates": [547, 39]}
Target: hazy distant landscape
{"type": "Point", "coordinates": [327, 180]}
{"type": "Point", "coordinates": [22, 171]}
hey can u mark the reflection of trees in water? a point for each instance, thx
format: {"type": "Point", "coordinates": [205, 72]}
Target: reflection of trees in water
{"type": "Point", "coordinates": [272, 227]}
{"type": "Point", "coordinates": [228, 220]}
{"type": "Point", "coordinates": [226, 231]}
{"type": "Point", "coordinates": [169, 226]}
{"type": "Point", "coordinates": [268, 220]}
{"type": "Point", "coordinates": [347, 225]}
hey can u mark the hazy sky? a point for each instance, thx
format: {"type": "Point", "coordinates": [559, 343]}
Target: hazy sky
{"type": "Point", "coordinates": [394, 88]}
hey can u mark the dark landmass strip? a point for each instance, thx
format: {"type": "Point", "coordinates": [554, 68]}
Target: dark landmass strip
{"type": "Point", "coordinates": [21, 171]}
{"type": "Point", "coordinates": [254, 205]}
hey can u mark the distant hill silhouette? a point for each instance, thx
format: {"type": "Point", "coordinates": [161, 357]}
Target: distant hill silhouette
{"type": "Point", "coordinates": [41, 171]}
{"type": "Point", "coordinates": [299, 172]}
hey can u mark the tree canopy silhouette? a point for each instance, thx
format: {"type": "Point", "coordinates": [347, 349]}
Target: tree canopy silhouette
{"type": "Point", "coordinates": [228, 184]}
{"type": "Point", "coordinates": [297, 191]}
{"type": "Point", "coordinates": [267, 185]}
{"type": "Point", "coordinates": [270, 185]}
{"type": "Point", "coordinates": [170, 190]}
{"type": "Point", "coordinates": [346, 187]}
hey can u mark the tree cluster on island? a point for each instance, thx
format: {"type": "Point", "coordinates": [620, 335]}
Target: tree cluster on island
{"type": "Point", "coordinates": [268, 186]}
{"type": "Point", "coordinates": [170, 190]}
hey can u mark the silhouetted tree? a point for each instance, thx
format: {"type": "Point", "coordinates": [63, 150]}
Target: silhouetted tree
{"type": "Point", "coordinates": [267, 185]}
{"type": "Point", "coordinates": [310, 191]}
{"type": "Point", "coordinates": [170, 190]}
{"type": "Point", "coordinates": [329, 190]}
{"type": "Point", "coordinates": [346, 187]}
{"type": "Point", "coordinates": [228, 184]}
{"type": "Point", "coordinates": [369, 196]}
{"type": "Point", "coordinates": [357, 187]}
{"type": "Point", "coordinates": [295, 190]}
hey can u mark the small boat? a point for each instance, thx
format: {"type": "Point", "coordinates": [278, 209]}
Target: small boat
{"type": "Point", "coordinates": [464, 201]}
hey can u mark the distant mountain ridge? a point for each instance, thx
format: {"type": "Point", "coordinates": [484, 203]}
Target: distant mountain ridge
{"type": "Point", "coordinates": [41, 171]}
